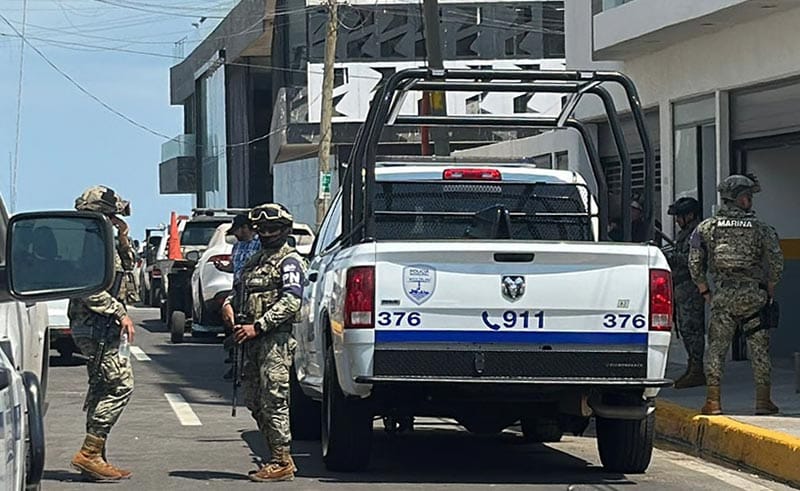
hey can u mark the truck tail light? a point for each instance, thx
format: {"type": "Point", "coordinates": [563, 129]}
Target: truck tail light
{"type": "Point", "coordinates": [660, 300]}
{"type": "Point", "coordinates": [359, 306]}
{"type": "Point", "coordinates": [221, 261]}
{"type": "Point", "coordinates": [156, 273]}
{"type": "Point", "coordinates": [472, 175]}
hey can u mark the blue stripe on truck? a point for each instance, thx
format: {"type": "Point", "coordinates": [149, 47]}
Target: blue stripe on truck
{"type": "Point", "coordinates": [414, 336]}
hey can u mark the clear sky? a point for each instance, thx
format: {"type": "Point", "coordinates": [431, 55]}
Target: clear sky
{"type": "Point", "coordinates": [70, 142]}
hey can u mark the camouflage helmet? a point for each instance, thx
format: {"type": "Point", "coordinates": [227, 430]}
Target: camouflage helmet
{"type": "Point", "coordinates": [684, 206]}
{"type": "Point", "coordinates": [271, 213]}
{"type": "Point", "coordinates": [733, 186]}
{"type": "Point", "coordinates": [104, 200]}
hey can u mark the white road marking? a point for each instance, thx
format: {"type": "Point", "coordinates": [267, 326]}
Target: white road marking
{"type": "Point", "coordinates": [183, 410]}
{"type": "Point", "coordinates": [139, 354]}
{"type": "Point", "coordinates": [724, 475]}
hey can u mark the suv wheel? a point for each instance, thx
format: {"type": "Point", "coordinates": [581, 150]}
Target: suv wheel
{"type": "Point", "coordinates": [346, 425]}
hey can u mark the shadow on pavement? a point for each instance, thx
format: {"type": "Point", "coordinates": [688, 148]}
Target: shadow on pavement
{"type": "Point", "coordinates": [154, 326]}
{"type": "Point", "coordinates": [72, 361]}
{"type": "Point", "coordinates": [62, 475]}
{"type": "Point", "coordinates": [209, 475]}
{"type": "Point", "coordinates": [450, 456]}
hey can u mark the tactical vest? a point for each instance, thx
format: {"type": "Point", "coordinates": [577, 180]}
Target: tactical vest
{"type": "Point", "coordinates": [264, 283]}
{"type": "Point", "coordinates": [735, 245]}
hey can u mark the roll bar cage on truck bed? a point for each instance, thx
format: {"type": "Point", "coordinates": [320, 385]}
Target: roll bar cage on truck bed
{"type": "Point", "coordinates": [359, 186]}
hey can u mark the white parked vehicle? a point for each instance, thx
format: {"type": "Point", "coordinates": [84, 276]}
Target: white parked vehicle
{"type": "Point", "coordinates": [59, 330]}
{"type": "Point", "coordinates": [212, 283]}
{"type": "Point", "coordinates": [479, 290]}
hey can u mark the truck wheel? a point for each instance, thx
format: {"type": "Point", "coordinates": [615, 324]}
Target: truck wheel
{"type": "Point", "coordinates": [625, 445]}
{"type": "Point", "coordinates": [304, 413]}
{"type": "Point", "coordinates": [541, 430]}
{"type": "Point", "coordinates": [34, 465]}
{"type": "Point", "coordinates": [154, 297]}
{"type": "Point", "coordinates": [177, 326]}
{"type": "Point", "coordinates": [346, 425]}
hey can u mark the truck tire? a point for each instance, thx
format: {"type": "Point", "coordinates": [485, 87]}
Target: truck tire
{"type": "Point", "coordinates": [154, 297]}
{"type": "Point", "coordinates": [177, 326]}
{"type": "Point", "coordinates": [625, 445]}
{"type": "Point", "coordinates": [304, 413]}
{"type": "Point", "coordinates": [541, 430]}
{"type": "Point", "coordinates": [346, 425]}
{"type": "Point", "coordinates": [34, 465]}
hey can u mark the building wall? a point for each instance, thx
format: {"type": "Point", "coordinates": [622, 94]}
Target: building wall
{"type": "Point", "coordinates": [744, 54]}
{"type": "Point", "coordinates": [296, 186]}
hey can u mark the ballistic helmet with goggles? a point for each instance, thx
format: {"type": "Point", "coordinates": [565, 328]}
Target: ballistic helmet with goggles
{"type": "Point", "coordinates": [271, 215]}
{"type": "Point", "coordinates": [684, 206]}
{"type": "Point", "coordinates": [104, 200]}
{"type": "Point", "coordinates": [734, 186]}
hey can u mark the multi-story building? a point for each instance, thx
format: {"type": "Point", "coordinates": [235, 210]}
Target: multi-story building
{"type": "Point", "coordinates": [252, 90]}
{"type": "Point", "coordinates": [719, 80]}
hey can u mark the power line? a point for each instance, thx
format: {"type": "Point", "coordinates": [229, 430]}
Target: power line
{"type": "Point", "coordinates": [18, 137]}
{"type": "Point", "coordinates": [79, 86]}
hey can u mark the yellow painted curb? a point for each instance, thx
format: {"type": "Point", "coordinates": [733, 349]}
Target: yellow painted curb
{"type": "Point", "coordinates": [766, 451]}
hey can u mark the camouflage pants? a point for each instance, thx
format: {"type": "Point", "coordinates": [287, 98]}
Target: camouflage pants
{"type": "Point", "coordinates": [268, 359]}
{"type": "Point", "coordinates": [731, 305]}
{"type": "Point", "coordinates": [110, 393]}
{"type": "Point", "coordinates": [690, 309]}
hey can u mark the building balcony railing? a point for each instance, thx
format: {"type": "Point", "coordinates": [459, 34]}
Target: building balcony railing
{"type": "Point", "coordinates": [180, 146]}
{"type": "Point", "coordinates": [177, 170]}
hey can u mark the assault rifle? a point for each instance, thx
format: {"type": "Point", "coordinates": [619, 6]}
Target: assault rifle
{"type": "Point", "coordinates": [95, 368]}
{"type": "Point", "coordinates": [240, 303]}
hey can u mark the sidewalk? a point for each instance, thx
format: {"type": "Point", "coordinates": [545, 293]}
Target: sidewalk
{"type": "Point", "coordinates": [766, 444]}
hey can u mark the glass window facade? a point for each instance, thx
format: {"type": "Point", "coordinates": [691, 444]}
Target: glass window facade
{"type": "Point", "coordinates": [695, 151]}
{"type": "Point", "coordinates": [212, 140]}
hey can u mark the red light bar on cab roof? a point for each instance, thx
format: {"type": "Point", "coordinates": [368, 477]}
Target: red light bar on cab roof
{"type": "Point", "coordinates": [471, 174]}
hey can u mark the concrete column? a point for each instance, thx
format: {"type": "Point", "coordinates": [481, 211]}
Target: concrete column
{"type": "Point", "coordinates": [723, 120]}
{"type": "Point", "coordinates": [667, 164]}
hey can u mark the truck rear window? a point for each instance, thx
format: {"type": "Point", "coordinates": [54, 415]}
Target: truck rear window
{"type": "Point", "coordinates": [439, 210]}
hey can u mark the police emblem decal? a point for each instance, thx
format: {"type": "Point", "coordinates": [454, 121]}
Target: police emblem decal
{"type": "Point", "coordinates": [419, 283]}
{"type": "Point", "coordinates": [512, 287]}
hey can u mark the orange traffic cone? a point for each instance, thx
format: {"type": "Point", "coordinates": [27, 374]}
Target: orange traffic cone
{"type": "Point", "coordinates": [174, 241]}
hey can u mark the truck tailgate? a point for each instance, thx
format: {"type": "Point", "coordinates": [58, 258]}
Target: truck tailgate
{"type": "Point", "coordinates": [511, 310]}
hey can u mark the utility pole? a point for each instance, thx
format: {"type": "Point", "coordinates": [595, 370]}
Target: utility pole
{"type": "Point", "coordinates": [325, 125]}
{"type": "Point", "coordinates": [433, 45]}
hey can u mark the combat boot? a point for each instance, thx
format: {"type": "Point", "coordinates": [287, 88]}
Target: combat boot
{"type": "Point", "coordinates": [280, 468]}
{"type": "Point", "coordinates": [694, 376]}
{"type": "Point", "coordinates": [89, 461]}
{"type": "Point", "coordinates": [126, 474]}
{"type": "Point", "coordinates": [712, 405]}
{"type": "Point", "coordinates": [764, 404]}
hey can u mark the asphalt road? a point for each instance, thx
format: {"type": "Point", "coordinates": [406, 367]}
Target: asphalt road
{"type": "Point", "coordinates": [169, 445]}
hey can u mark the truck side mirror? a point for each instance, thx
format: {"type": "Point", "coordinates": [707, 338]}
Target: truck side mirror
{"type": "Point", "coordinates": [55, 255]}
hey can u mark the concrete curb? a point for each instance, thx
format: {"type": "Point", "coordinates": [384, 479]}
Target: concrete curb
{"type": "Point", "coordinates": [765, 451]}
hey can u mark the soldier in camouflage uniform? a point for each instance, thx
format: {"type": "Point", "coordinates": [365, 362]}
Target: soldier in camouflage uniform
{"type": "Point", "coordinates": [273, 278]}
{"type": "Point", "coordinates": [734, 247]}
{"type": "Point", "coordinates": [689, 304]}
{"type": "Point", "coordinates": [109, 392]}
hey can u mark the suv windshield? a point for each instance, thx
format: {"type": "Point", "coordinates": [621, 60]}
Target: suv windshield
{"type": "Point", "coordinates": [200, 233]}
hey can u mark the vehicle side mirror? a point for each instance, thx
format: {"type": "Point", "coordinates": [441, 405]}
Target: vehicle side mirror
{"type": "Point", "coordinates": [56, 255]}
{"type": "Point", "coordinates": [193, 256]}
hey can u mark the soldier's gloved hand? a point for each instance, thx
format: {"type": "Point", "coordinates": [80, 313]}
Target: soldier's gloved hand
{"type": "Point", "coordinates": [228, 315]}
{"type": "Point", "coordinates": [127, 326]}
{"type": "Point", "coordinates": [244, 332]}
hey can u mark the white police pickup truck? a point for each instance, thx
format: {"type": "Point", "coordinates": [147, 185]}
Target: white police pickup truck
{"type": "Point", "coordinates": [478, 290]}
